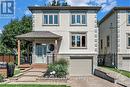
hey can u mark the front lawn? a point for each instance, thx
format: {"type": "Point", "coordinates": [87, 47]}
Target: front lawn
{"type": "Point", "coordinates": [123, 72]}
{"type": "Point", "coordinates": [20, 85]}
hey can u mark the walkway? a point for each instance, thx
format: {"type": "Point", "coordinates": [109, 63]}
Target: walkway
{"type": "Point", "coordinates": [91, 81]}
{"type": "Point", "coordinates": [29, 76]}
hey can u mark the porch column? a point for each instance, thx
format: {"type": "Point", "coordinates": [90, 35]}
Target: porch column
{"type": "Point", "coordinates": [19, 52]}
{"type": "Point", "coordinates": [55, 50]}
{"type": "Point", "coordinates": [28, 57]}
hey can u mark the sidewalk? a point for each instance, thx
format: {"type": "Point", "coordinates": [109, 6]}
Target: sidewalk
{"type": "Point", "coordinates": [119, 78]}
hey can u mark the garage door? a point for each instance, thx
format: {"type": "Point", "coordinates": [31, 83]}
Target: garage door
{"type": "Point", "coordinates": [80, 66]}
{"type": "Point", "coordinates": [126, 63]}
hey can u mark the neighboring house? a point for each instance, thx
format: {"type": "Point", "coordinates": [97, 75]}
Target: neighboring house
{"type": "Point", "coordinates": [72, 30]}
{"type": "Point", "coordinates": [114, 38]}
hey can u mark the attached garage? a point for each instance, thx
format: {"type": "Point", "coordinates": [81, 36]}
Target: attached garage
{"type": "Point", "coordinates": [81, 66]}
{"type": "Point", "coordinates": [126, 63]}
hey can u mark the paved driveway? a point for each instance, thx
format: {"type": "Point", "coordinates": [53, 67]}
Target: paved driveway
{"type": "Point", "coordinates": [90, 81]}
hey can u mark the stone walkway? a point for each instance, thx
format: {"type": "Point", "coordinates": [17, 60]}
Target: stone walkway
{"type": "Point", "coordinates": [90, 81]}
{"type": "Point", "coordinates": [121, 79]}
{"type": "Point", "coordinates": [29, 76]}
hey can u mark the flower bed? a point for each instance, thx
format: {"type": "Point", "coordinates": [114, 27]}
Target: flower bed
{"type": "Point", "coordinates": [58, 69]}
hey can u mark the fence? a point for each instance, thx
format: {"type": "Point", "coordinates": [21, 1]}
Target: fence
{"type": "Point", "coordinates": [7, 58]}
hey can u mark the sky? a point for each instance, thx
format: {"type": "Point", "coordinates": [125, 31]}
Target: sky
{"type": "Point", "coordinates": [21, 7]}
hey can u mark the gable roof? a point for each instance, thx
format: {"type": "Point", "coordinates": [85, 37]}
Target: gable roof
{"type": "Point", "coordinates": [39, 35]}
{"type": "Point", "coordinates": [31, 8]}
{"type": "Point", "coordinates": [112, 11]}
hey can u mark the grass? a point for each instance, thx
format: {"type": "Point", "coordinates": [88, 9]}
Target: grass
{"type": "Point", "coordinates": [22, 85]}
{"type": "Point", "coordinates": [16, 71]}
{"type": "Point", "coordinates": [123, 72]}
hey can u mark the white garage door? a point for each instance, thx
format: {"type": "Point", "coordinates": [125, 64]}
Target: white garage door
{"type": "Point", "coordinates": [126, 63]}
{"type": "Point", "coordinates": [80, 66]}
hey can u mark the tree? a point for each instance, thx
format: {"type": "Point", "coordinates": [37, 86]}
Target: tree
{"type": "Point", "coordinates": [57, 3]}
{"type": "Point", "coordinates": [14, 28]}
{"type": "Point", "coordinates": [54, 3]}
{"type": "Point", "coordinates": [65, 3]}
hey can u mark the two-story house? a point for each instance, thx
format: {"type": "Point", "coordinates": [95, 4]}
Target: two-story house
{"type": "Point", "coordinates": [114, 38]}
{"type": "Point", "coordinates": [71, 30]}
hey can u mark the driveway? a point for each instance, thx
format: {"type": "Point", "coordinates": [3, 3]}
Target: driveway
{"type": "Point", "coordinates": [90, 81]}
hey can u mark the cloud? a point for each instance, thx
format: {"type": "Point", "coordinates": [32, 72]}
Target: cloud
{"type": "Point", "coordinates": [108, 6]}
{"type": "Point", "coordinates": [27, 12]}
{"type": "Point", "coordinates": [105, 4]}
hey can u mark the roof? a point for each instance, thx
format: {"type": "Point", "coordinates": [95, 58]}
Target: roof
{"type": "Point", "coordinates": [112, 11]}
{"type": "Point", "coordinates": [64, 8]}
{"type": "Point", "coordinates": [38, 35]}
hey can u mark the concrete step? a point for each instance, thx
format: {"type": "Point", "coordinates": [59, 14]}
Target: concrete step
{"type": "Point", "coordinates": [39, 66]}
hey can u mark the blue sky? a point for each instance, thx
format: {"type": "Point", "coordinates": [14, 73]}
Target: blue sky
{"type": "Point", "coordinates": [21, 7]}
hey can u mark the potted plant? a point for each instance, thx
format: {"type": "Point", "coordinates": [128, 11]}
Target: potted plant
{"type": "Point", "coordinates": [10, 69]}
{"type": "Point", "coordinates": [1, 78]}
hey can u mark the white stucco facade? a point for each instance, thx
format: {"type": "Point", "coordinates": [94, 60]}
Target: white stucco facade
{"type": "Point", "coordinates": [65, 28]}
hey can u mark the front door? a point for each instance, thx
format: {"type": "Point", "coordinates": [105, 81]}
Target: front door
{"type": "Point", "coordinates": [41, 53]}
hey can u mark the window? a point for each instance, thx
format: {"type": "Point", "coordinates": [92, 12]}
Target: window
{"type": "Point", "coordinates": [50, 19]}
{"type": "Point", "coordinates": [78, 19]}
{"type": "Point", "coordinates": [101, 43]}
{"type": "Point", "coordinates": [129, 18]}
{"type": "Point", "coordinates": [78, 40]}
{"type": "Point", "coordinates": [108, 41]}
{"type": "Point", "coordinates": [128, 40]}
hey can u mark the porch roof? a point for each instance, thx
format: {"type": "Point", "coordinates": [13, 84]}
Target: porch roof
{"type": "Point", "coordinates": [38, 35]}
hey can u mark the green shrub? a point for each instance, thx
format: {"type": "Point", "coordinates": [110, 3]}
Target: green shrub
{"type": "Point", "coordinates": [62, 61]}
{"type": "Point", "coordinates": [60, 67]}
{"type": "Point", "coordinates": [1, 78]}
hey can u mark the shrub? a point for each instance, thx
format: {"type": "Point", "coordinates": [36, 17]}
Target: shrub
{"type": "Point", "coordinates": [62, 61]}
{"type": "Point", "coordinates": [60, 67]}
{"type": "Point", "coordinates": [10, 69]}
{"type": "Point", "coordinates": [1, 78]}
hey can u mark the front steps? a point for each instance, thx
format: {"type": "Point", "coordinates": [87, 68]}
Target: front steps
{"type": "Point", "coordinates": [43, 66]}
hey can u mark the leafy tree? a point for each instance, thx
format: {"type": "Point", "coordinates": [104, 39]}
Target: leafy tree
{"type": "Point", "coordinates": [57, 3]}
{"type": "Point", "coordinates": [14, 28]}
{"type": "Point", "coordinates": [54, 3]}
{"type": "Point", "coordinates": [65, 3]}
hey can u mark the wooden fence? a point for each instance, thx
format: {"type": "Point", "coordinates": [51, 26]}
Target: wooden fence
{"type": "Point", "coordinates": [7, 58]}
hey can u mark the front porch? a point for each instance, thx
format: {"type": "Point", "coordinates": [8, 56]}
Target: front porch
{"type": "Point", "coordinates": [45, 46]}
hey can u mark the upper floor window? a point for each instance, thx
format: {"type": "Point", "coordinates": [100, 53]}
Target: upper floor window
{"type": "Point", "coordinates": [50, 19]}
{"type": "Point", "coordinates": [78, 40]}
{"type": "Point", "coordinates": [78, 19]}
{"type": "Point", "coordinates": [128, 40]}
{"type": "Point", "coordinates": [129, 18]}
{"type": "Point", "coordinates": [101, 43]}
{"type": "Point", "coordinates": [108, 41]}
